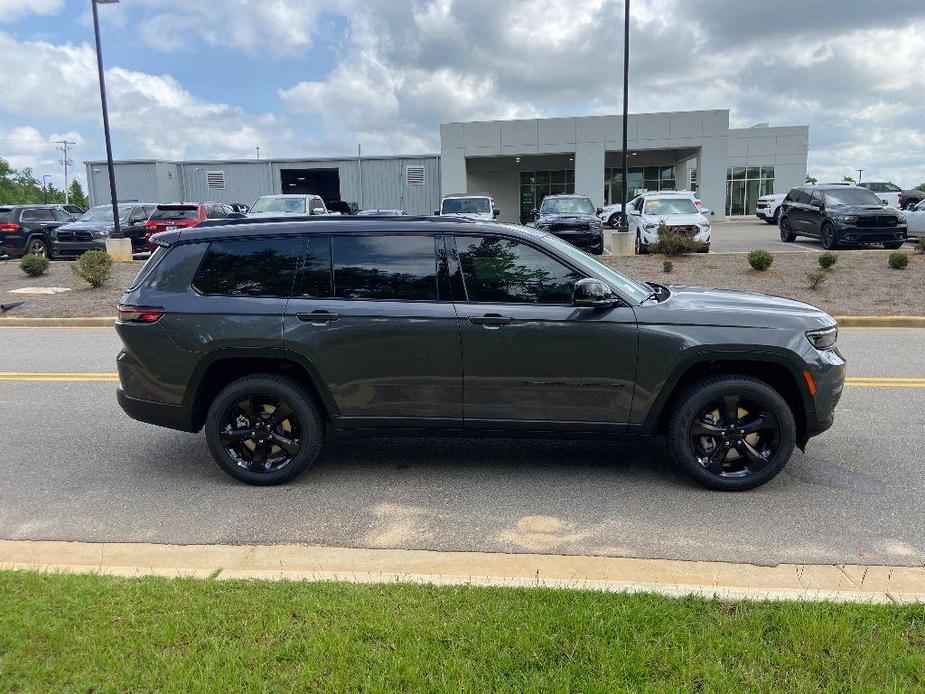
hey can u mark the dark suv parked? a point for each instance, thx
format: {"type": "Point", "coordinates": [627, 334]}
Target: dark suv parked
{"type": "Point", "coordinates": [572, 218]}
{"type": "Point", "coordinates": [837, 214]}
{"type": "Point", "coordinates": [271, 334]}
{"type": "Point", "coordinates": [28, 228]}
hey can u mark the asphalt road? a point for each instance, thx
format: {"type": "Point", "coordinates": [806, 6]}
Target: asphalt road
{"type": "Point", "coordinates": [74, 467]}
{"type": "Point", "coordinates": [743, 235]}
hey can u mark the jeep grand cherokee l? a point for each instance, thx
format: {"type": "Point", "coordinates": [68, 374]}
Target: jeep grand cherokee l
{"type": "Point", "coordinates": [269, 335]}
{"type": "Point", "coordinates": [837, 214]}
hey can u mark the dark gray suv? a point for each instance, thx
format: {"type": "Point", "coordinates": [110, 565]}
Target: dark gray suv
{"type": "Point", "coordinates": [272, 335]}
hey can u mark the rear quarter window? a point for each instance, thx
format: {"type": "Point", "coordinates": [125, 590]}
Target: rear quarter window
{"type": "Point", "coordinates": [5, 214]}
{"type": "Point", "coordinates": [250, 267]}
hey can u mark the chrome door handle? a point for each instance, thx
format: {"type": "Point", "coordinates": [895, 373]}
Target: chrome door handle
{"type": "Point", "coordinates": [490, 320]}
{"type": "Point", "coordinates": [318, 317]}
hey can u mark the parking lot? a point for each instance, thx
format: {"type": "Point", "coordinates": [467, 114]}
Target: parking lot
{"type": "Point", "coordinates": [76, 468]}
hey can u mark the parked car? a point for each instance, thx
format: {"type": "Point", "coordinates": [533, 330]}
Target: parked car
{"type": "Point", "coordinates": [382, 213]}
{"type": "Point", "coordinates": [95, 226]}
{"type": "Point", "coordinates": [886, 191]}
{"type": "Point", "coordinates": [840, 214]}
{"type": "Point", "coordinates": [915, 221]}
{"type": "Point", "coordinates": [167, 216]}
{"type": "Point", "coordinates": [610, 214]}
{"type": "Point", "coordinates": [292, 204]}
{"type": "Point", "coordinates": [572, 218]}
{"type": "Point", "coordinates": [524, 335]}
{"type": "Point", "coordinates": [768, 207]}
{"type": "Point", "coordinates": [27, 228]}
{"type": "Point", "coordinates": [469, 206]}
{"type": "Point", "coordinates": [910, 198]}
{"type": "Point", "coordinates": [647, 211]}
{"type": "Point", "coordinates": [342, 207]}
{"type": "Point", "coordinates": [239, 207]}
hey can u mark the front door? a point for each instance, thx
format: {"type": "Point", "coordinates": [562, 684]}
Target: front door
{"type": "Point", "coordinates": [529, 355]}
{"type": "Point", "coordinates": [370, 318]}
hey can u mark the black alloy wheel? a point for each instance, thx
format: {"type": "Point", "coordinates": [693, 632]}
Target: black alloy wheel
{"type": "Point", "coordinates": [786, 231]}
{"type": "Point", "coordinates": [829, 238]}
{"type": "Point", "coordinates": [37, 246]}
{"type": "Point", "coordinates": [614, 220]}
{"type": "Point", "coordinates": [731, 432]}
{"type": "Point", "coordinates": [264, 429]}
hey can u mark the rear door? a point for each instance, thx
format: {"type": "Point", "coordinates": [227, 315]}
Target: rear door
{"type": "Point", "coordinates": [373, 316]}
{"type": "Point", "coordinates": [530, 357]}
{"type": "Point", "coordinates": [813, 214]}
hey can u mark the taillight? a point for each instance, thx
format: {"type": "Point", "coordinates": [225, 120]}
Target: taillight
{"type": "Point", "coordinates": [150, 224]}
{"type": "Point", "coordinates": [9, 228]}
{"type": "Point", "coordinates": [139, 314]}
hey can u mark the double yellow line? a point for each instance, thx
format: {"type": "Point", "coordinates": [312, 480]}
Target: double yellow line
{"type": "Point", "coordinates": [112, 377]}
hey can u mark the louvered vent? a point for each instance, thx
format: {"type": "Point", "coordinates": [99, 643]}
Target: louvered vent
{"type": "Point", "coordinates": [414, 175]}
{"type": "Point", "coordinates": [215, 179]}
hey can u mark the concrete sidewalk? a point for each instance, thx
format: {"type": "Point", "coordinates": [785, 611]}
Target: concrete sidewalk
{"type": "Point", "coordinates": [727, 581]}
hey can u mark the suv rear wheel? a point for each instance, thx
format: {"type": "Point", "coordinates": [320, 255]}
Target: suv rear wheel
{"type": "Point", "coordinates": [731, 432]}
{"type": "Point", "coordinates": [264, 429]}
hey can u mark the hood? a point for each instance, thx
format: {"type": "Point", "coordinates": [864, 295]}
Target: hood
{"type": "Point", "coordinates": [550, 218]}
{"type": "Point", "coordinates": [868, 210]}
{"type": "Point", "coordinates": [87, 226]}
{"type": "Point", "coordinates": [727, 307]}
{"type": "Point", "coordinates": [676, 219]}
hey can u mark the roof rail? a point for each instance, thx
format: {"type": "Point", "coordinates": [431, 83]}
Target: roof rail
{"type": "Point", "coordinates": [327, 219]}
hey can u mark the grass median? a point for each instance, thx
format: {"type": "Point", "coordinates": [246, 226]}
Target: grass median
{"type": "Point", "coordinates": [103, 633]}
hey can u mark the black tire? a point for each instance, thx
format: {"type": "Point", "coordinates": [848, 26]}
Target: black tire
{"type": "Point", "coordinates": [614, 220]}
{"type": "Point", "coordinates": [829, 237]}
{"type": "Point", "coordinates": [641, 248]}
{"type": "Point", "coordinates": [36, 245]}
{"type": "Point", "coordinates": [758, 399]}
{"type": "Point", "coordinates": [786, 231]}
{"type": "Point", "coordinates": [305, 424]}
{"type": "Point", "coordinates": [893, 245]}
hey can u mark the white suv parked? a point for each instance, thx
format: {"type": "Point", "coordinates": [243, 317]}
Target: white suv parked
{"type": "Point", "coordinates": [676, 209]}
{"type": "Point", "coordinates": [768, 207]}
{"type": "Point", "coordinates": [287, 205]}
{"type": "Point", "coordinates": [480, 207]}
{"type": "Point", "coordinates": [885, 190]}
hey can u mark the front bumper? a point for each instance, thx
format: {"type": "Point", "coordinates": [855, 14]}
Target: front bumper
{"type": "Point", "coordinates": [61, 249]}
{"type": "Point", "coordinates": [587, 240]}
{"type": "Point", "coordinates": [827, 369]}
{"type": "Point", "coordinates": [850, 233]}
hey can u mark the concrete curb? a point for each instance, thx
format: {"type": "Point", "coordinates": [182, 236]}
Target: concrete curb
{"type": "Point", "coordinates": [727, 581]}
{"type": "Point", "coordinates": [107, 322]}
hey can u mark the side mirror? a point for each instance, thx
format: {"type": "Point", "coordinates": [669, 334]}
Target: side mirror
{"type": "Point", "coordinates": [319, 210]}
{"type": "Point", "coordinates": [495, 212]}
{"type": "Point", "coordinates": [599, 210]}
{"type": "Point", "coordinates": [592, 293]}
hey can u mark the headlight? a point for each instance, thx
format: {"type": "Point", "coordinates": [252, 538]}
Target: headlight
{"type": "Point", "coordinates": [901, 219]}
{"type": "Point", "coordinates": [846, 218]}
{"type": "Point", "coordinates": [824, 338]}
{"type": "Point", "coordinates": [101, 233]}
{"type": "Point", "coordinates": [650, 227]}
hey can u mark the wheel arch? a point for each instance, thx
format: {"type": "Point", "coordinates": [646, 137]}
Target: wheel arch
{"type": "Point", "coordinates": [225, 366]}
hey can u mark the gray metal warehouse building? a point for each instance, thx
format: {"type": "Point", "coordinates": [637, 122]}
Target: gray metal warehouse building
{"type": "Point", "coordinates": [516, 161]}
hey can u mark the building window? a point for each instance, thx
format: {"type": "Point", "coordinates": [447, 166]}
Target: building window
{"type": "Point", "coordinates": [536, 185]}
{"type": "Point", "coordinates": [641, 179]}
{"type": "Point", "coordinates": [744, 185]}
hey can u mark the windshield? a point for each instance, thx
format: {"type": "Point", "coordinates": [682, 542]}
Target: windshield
{"type": "Point", "coordinates": [627, 286]}
{"type": "Point", "coordinates": [670, 206]}
{"type": "Point", "coordinates": [566, 206]}
{"type": "Point", "coordinates": [851, 196]}
{"type": "Point", "coordinates": [288, 205]}
{"type": "Point", "coordinates": [187, 212]}
{"type": "Point", "coordinates": [103, 213]}
{"type": "Point", "coordinates": [466, 206]}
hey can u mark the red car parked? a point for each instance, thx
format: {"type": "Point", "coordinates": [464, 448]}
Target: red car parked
{"type": "Point", "coordinates": [183, 214]}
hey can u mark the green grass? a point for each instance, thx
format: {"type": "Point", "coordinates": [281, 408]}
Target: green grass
{"type": "Point", "coordinates": [98, 633]}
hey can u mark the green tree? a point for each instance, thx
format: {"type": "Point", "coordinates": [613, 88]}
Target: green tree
{"type": "Point", "coordinates": [811, 179]}
{"type": "Point", "coordinates": [19, 186]}
{"type": "Point", "coordinates": [76, 193]}
{"type": "Point", "coordinates": [921, 187]}
{"type": "Point", "coordinates": [849, 179]}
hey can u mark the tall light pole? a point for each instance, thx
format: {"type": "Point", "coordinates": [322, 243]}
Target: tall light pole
{"type": "Point", "coordinates": [117, 231]}
{"type": "Point", "coordinates": [45, 178]}
{"type": "Point", "coordinates": [624, 222]}
{"type": "Point", "coordinates": [860, 171]}
{"type": "Point", "coordinates": [258, 152]}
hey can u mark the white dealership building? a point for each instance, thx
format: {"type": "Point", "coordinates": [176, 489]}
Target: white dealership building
{"type": "Point", "coordinates": [516, 161]}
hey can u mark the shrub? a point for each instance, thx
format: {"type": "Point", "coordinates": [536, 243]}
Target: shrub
{"type": "Point", "coordinates": [667, 266]}
{"type": "Point", "coordinates": [33, 265]}
{"type": "Point", "coordinates": [827, 260]}
{"type": "Point", "coordinates": [760, 260]}
{"type": "Point", "coordinates": [671, 243]}
{"type": "Point", "coordinates": [899, 260]}
{"type": "Point", "coordinates": [816, 278]}
{"type": "Point", "coordinates": [93, 267]}
{"type": "Point", "coordinates": [920, 244]}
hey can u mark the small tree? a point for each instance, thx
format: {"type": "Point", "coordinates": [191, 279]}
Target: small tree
{"type": "Point", "coordinates": [827, 260]}
{"type": "Point", "coordinates": [76, 195]}
{"type": "Point", "coordinates": [673, 243]}
{"type": "Point", "coordinates": [816, 278]}
{"type": "Point", "coordinates": [760, 260]}
{"type": "Point", "coordinates": [93, 267]}
{"type": "Point", "coordinates": [848, 179]}
{"type": "Point", "coordinates": [33, 265]}
{"type": "Point", "coordinates": [667, 266]}
{"type": "Point", "coordinates": [811, 179]}
{"type": "Point", "coordinates": [899, 260]}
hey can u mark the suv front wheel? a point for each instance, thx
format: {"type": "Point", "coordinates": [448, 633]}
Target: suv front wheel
{"type": "Point", "coordinates": [264, 429]}
{"type": "Point", "coordinates": [731, 432]}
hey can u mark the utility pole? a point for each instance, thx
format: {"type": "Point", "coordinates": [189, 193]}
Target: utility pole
{"type": "Point", "coordinates": [360, 171]}
{"type": "Point", "coordinates": [860, 171]}
{"type": "Point", "coordinates": [258, 152]}
{"type": "Point", "coordinates": [66, 162]}
{"type": "Point", "coordinates": [624, 220]}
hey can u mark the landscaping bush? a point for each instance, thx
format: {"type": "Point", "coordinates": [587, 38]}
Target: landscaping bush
{"type": "Point", "coordinates": [816, 278]}
{"type": "Point", "coordinates": [920, 244]}
{"type": "Point", "coordinates": [671, 243]}
{"type": "Point", "coordinates": [760, 260]}
{"type": "Point", "coordinates": [899, 260]}
{"type": "Point", "coordinates": [93, 267]}
{"type": "Point", "coordinates": [667, 266]}
{"type": "Point", "coordinates": [33, 265]}
{"type": "Point", "coordinates": [827, 260]}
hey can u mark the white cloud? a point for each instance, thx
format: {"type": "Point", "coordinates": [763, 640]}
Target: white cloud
{"type": "Point", "coordinates": [24, 146]}
{"type": "Point", "coordinates": [11, 10]}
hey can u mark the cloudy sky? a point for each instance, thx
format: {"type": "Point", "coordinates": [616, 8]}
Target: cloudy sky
{"type": "Point", "coordinates": [210, 78]}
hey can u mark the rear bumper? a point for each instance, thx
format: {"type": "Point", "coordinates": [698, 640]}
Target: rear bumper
{"type": "Point", "coordinates": [162, 414]}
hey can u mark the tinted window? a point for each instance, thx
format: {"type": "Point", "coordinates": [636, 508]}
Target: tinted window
{"type": "Point", "coordinates": [176, 212]}
{"type": "Point", "coordinates": [215, 212]}
{"type": "Point", "coordinates": [850, 196]}
{"type": "Point", "coordinates": [502, 270]}
{"type": "Point", "coordinates": [315, 279]}
{"type": "Point", "coordinates": [256, 267]}
{"type": "Point", "coordinates": [385, 267]}
{"type": "Point", "coordinates": [566, 206]}
{"type": "Point", "coordinates": [466, 206]}
{"type": "Point", "coordinates": [40, 215]}
{"type": "Point", "coordinates": [5, 214]}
